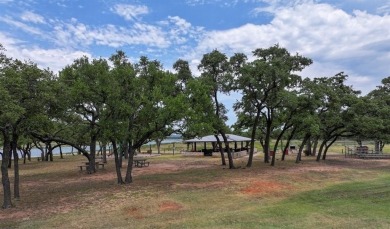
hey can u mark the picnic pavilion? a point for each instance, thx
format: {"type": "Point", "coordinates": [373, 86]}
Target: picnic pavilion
{"type": "Point", "coordinates": [240, 144]}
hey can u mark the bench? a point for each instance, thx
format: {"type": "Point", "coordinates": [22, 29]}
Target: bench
{"type": "Point", "coordinates": [97, 165]}
{"type": "Point", "coordinates": [83, 166]}
{"type": "Point", "coordinates": [140, 163]}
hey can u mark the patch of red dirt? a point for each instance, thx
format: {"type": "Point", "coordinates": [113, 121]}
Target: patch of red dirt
{"type": "Point", "coordinates": [169, 206]}
{"type": "Point", "coordinates": [135, 213]}
{"type": "Point", "coordinates": [263, 187]}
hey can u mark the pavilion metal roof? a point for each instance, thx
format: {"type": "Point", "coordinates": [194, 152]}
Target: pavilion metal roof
{"type": "Point", "coordinates": [212, 138]}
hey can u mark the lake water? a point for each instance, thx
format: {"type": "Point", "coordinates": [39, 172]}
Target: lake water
{"type": "Point", "coordinates": [68, 149]}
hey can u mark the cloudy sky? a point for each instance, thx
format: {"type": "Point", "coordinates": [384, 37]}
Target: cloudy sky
{"type": "Point", "coordinates": [352, 36]}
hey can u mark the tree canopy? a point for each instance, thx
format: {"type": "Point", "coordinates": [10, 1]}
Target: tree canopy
{"type": "Point", "coordinates": [114, 101]}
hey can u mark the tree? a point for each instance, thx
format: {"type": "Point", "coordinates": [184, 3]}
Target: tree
{"type": "Point", "coordinates": [23, 89]}
{"type": "Point", "coordinates": [371, 114]}
{"type": "Point", "coordinates": [26, 86]}
{"type": "Point", "coordinates": [6, 117]}
{"type": "Point", "coordinates": [263, 82]}
{"type": "Point", "coordinates": [184, 74]}
{"type": "Point", "coordinates": [335, 111]}
{"type": "Point", "coordinates": [143, 100]}
{"type": "Point", "coordinates": [86, 95]}
{"type": "Point", "coordinates": [216, 71]}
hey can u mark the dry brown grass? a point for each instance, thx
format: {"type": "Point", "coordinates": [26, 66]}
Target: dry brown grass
{"type": "Point", "coordinates": [171, 191]}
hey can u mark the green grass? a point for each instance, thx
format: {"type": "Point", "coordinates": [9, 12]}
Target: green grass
{"type": "Point", "coordinates": [349, 205]}
{"type": "Point", "coordinates": [337, 193]}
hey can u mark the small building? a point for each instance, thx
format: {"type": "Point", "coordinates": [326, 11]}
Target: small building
{"type": "Point", "coordinates": [240, 146]}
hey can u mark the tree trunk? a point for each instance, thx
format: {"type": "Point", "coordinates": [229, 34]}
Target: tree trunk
{"type": "Point", "coordinates": [29, 153]}
{"type": "Point", "coordinates": [308, 146]}
{"type": "Point", "coordinates": [92, 153]}
{"type": "Point", "coordinates": [274, 156]}
{"type": "Point", "coordinates": [299, 155]}
{"type": "Point", "coordinates": [24, 156]}
{"type": "Point", "coordinates": [158, 144]}
{"type": "Point", "coordinates": [288, 142]}
{"type": "Point", "coordinates": [125, 150]}
{"type": "Point", "coordinates": [50, 152]}
{"type": "Point", "coordinates": [116, 158]}
{"type": "Point", "coordinates": [16, 166]}
{"type": "Point", "coordinates": [7, 203]}
{"type": "Point", "coordinates": [229, 153]}
{"type": "Point", "coordinates": [275, 148]}
{"type": "Point", "coordinates": [47, 151]}
{"type": "Point", "coordinates": [267, 137]}
{"type": "Point", "coordinates": [129, 177]}
{"type": "Point", "coordinates": [120, 155]}
{"type": "Point", "coordinates": [286, 127]}
{"type": "Point", "coordinates": [220, 150]}
{"type": "Point", "coordinates": [377, 147]}
{"type": "Point", "coordinates": [100, 152]}
{"type": "Point", "coordinates": [267, 145]}
{"type": "Point", "coordinates": [320, 151]}
{"type": "Point", "coordinates": [253, 136]}
{"type": "Point", "coordinates": [327, 147]}
{"type": "Point", "coordinates": [382, 145]}
{"type": "Point", "coordinates": [104, 153]}
{"type": "Point", "coordinates": [61, 156]}
{"type": "Point", "coordinates": [38, 146]}
{"type": "Point", "coordinates": [314, 151]}
{"type": "Point", "coordinates": [10, 158]}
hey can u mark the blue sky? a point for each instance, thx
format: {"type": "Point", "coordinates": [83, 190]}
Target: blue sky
{"type": "Point", "coordinates": [350, 35]}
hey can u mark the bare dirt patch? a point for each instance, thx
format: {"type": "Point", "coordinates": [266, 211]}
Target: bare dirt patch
{"type": "Point", "coordinates": [169, 206]}
{"type": "Point", "coordinates": [135, 213]}
{"type": "Point", "coordinates": [264, 187]}
{"type": "Point", "coordinates": [63, 188]}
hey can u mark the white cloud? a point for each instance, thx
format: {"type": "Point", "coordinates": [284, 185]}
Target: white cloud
{"type": "Point", "coordinates": [181, 31]}
{"type": "Point", "coordinates": [355, 43]}
{"type": "Point", "coordinates": [130, 12]}
{"type": "Point", "coordinates": [222, 3]}
{"type": "Point", "coordinates": [9, 43]}
{"type": "Point", "coordinates": [20, 25]}
{"type": "Point", "coordinates": [32, 17]}
{"type": "Point", "coordinates": [385, 9]}
{"type": "Point", "coordinates": [275, 5]}
{"type": "Point", "coordinates": [55, 59]}
{"type": "Point", "coordinates": [77, 34]}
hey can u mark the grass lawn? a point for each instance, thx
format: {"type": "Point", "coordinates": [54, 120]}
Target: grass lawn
{"type": "Point", "coordinates": [197, 192]}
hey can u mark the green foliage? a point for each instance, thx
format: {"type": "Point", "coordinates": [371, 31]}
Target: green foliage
{"type": "Point", "coordinates": [370, 120]}
{"type": "Point", "coordinates": [25, 93]}
{"type": "Point", "coordinates": [269, 92]}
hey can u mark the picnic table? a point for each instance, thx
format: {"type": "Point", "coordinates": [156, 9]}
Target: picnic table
{"type": "Point", "coordinates": [86, 164]}
{"type": "Point", "coordinates": [140, 162]}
